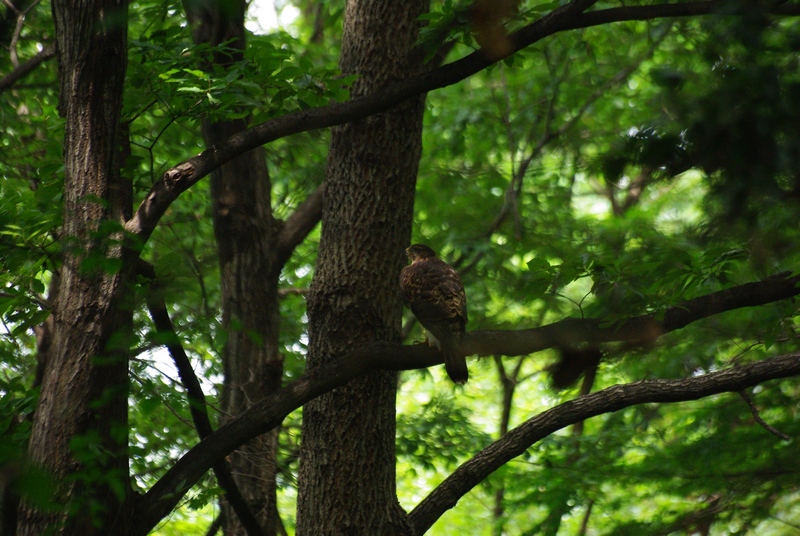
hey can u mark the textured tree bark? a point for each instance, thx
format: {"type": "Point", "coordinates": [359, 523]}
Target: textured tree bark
{"type": "Point", "coordinates": [246, 235]}
{"type": "Point", "coordinates": [347, 462]}
{"type": "Point", "coordinates": [80, 426]}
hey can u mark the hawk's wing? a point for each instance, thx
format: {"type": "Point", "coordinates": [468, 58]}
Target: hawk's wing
{"type": "Point", "coordinates": [434, 293]}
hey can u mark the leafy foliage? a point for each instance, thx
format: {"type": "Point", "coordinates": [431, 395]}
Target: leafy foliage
{"type": "Point", "coordinates": [427, 439]}
{"type": "Point", "coordinates": [602, 173]}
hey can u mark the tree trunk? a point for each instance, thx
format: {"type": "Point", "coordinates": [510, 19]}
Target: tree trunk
{"type": "Point", "coordinates": [246, 235]}
{"type": "Point", "coordinates": [250, 314]}
{"type": "Point", "coordinates": [80, 427]}
{"type": "Point", "coordinates": [347, 462]}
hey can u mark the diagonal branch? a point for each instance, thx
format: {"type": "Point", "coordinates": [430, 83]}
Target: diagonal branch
{"type": "Point", "coordinates": [8, 81]}
{"type": "Point", "coordinates": [258, 419]}
{"type": "Point", "coordinates": [609, 400]}
{"type": "Point", "coordinates": [568, 17]}
{"type": "Point", "coordinates": [197, 400]}
{"type": "Point", "coordinates": [16, 11]}
{"type": "Point", "coordinates": [264, 416]}
{"type": "Point", "coordinates": [754, 411]}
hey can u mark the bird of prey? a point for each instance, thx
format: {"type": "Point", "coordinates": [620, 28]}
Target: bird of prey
{"type": "Point", "coordinates": [434, 293]}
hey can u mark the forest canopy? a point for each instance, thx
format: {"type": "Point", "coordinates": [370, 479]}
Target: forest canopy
{"type": "Point", "coordinates": [203, 221]}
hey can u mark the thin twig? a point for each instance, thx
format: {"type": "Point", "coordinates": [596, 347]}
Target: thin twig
{"type": "Point", "coordinates": [754, 410]}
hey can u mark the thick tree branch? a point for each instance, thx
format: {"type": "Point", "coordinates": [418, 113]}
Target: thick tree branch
{"type": "Point", "coordinates": [569, 17]}
{"type": "Point", "coordinates": [264, 416]}
{"type": "Point", "coordinates": [197, 401]}
{"type": "Point", "coordinates": [615, 398]}
{"type": "Point", "coordinates": [659, 11]}
{"type": "Point", "coordinates": [8, 81]}
{"type": "Point", "coordinates": [640, 329]}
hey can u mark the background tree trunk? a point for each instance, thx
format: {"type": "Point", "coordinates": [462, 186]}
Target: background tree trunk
{"type": "Point", "coordinates": [246, 235]}
{"type": "Point", "coordinates": [250, 314]}
{"type": "Point", "coordinates": [80, 425]}
{"type": "Point", "coordinates": [347, 462]}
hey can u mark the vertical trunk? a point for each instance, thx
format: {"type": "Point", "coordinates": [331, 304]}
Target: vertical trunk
{"type": "Point", "coordinates": [80, 426]}
{"type": "Point", "coordinates": [246, 236]}
{"type": "Point", "coordinates": [347, 462]}
{"type": "Point", "coordinates": [249, 276]}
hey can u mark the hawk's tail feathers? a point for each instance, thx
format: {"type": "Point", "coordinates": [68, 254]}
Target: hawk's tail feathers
{"type": "Point", "coordinates": [455, 363]}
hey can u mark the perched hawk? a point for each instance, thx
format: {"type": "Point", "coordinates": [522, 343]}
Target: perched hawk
{"type": "Point", "coordinates": [434, 293]}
